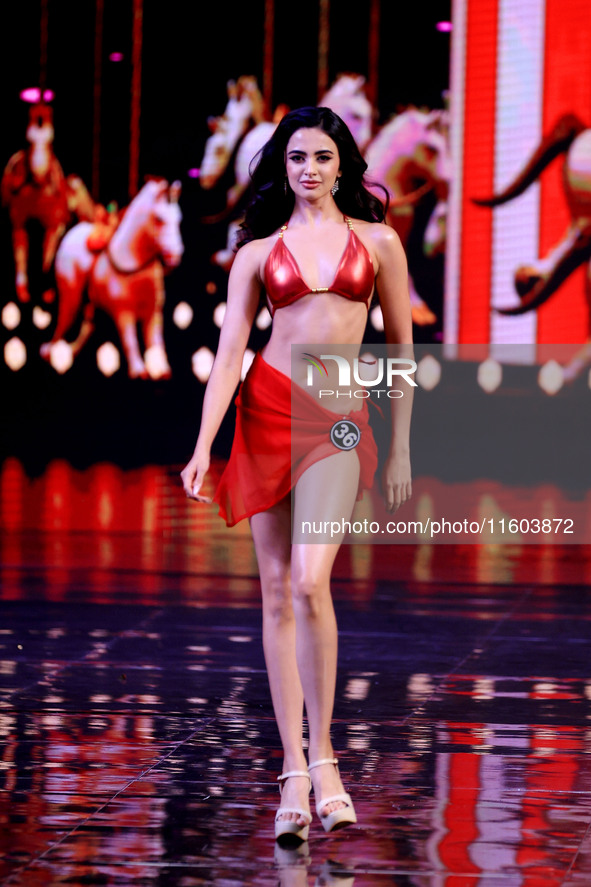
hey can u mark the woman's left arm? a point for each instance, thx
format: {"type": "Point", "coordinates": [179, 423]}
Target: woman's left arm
{"type": "Point", "coordinates": [392, 286]}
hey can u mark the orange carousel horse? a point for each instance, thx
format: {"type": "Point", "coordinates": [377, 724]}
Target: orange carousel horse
{"type": "Point", "coordinates": [125, 279]}
{"type": "Point", "coordinates": [34, 187]}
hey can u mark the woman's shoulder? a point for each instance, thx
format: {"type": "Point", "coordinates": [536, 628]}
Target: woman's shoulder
{"type": "Point", "coordinates": [379, 237]}
{"type": "Point", "coordinates": [253, 254]}
{"type": "Point", "coordinates": [253, 250]}
{"type": "Point", "coordinates": [379, 232]}
{"type": "Point", "coordinates": [259, 245]}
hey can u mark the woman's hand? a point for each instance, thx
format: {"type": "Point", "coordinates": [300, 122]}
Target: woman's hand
{"type": "Point", "coordinates": [193, 475]}
{"type": "Point", "coordinates": [396, 482]}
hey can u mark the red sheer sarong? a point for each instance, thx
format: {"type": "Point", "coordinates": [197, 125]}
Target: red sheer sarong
{"type": "Point", "coordinates": [273, 446]}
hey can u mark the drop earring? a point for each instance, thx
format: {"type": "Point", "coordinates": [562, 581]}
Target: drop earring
{"type": "Point", "coordinates": [335, 188]}
{"type": "Point", "coordinates": [285, 186]}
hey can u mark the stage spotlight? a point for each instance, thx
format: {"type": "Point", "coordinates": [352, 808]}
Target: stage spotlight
{"type": "Point", "coordinates": [41, 318]}
{"type": "Point", "coordinates": [428, 372]}
{"type": "Point", "coordinates": [211, 288]}
{"type": "Point", "coordinates": [219, 314]}
{"type": "Point", "coordinates": [490, 375]}
{"type": "Point", "coordinates": [551, 377]}
{"type": "Point", "coordinates": [108, 359]}
{"type": "Point", "coordinates": [116, 57]}
{"type": "Point", "coordinates": [182, 315]}
{"type": "Point", "coordinates": [377, 318]}
{"type": "Point", "coordinates": [193, 173]}
{"type": "Point", "coordinates": [202, 362]}
{"type": "Point", "coordinates": [444, 27]}
{"type": "Point", "coordinates": [61, 357]}
{"type": "Point", "coordinates": [15, 354]}
{"type": "Point", "coordinates": [246, 362]}
{"type": "Point", "coordinates": [11, 316]}
{"type": "Point", "coordinates": [263, 320]}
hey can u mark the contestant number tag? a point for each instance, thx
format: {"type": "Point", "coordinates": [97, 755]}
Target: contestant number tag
{"type": "Point", "coordinates": [345, 434]}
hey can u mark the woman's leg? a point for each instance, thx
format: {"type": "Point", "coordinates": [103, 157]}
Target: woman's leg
{"type": "Point", "coordinates": [325, 492]}
{"type": "Point", "coordinates": [271, 531]}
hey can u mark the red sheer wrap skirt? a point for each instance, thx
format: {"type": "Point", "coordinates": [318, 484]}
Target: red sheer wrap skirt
{"type": "Point", "coordinates": [280, 432]}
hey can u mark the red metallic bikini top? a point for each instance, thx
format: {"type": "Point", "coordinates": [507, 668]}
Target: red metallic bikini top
{"type": "Point", "coordinates": [354, 279]}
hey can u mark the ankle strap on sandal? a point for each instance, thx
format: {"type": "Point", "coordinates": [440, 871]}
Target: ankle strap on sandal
{"type": "Point", "coordinates": [321, 762]}
{"type": "Point", "coordinates": [285, 776]}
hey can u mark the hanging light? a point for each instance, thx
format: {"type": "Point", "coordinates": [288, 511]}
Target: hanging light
{"type": "Point", "coordinates": [15, 354]}
{"type": "Point", "coordinates": [219, 314]}
{"type": "Point", "coordinates": [108, 359]}
{"type": "Point", "coordinates": [61, 356]}
{"type": "Point", "coordinates": [182, 315]}
{"type": "Point", "coordinates": [551, 377]}
{"type": "Point", "coordinates": [202, 362]}
{"type": "Point", "coordinates": [246, 362]}
{"type": "Point", "coordinates": [428, 372]}
{"type": "Point", "coordinates": [377, 318]}
{"type": "Point", "coordinates": [11, 316]}
{"type": "Point", "coordinates": [33, 94]}
{"type": "Point", "coordinates": [263, 320]}
{"type": "Point", "coordinates": [490, 375]}
{"type": "Point", "coordinates": [41, 318]}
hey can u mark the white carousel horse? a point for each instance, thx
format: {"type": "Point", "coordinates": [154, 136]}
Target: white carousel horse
{"type": "Point", "coordinates": [245, 107]}
{"type": "Point", "coordinates": [243, 127]}
{"type": "Point", "coordinates": [410, 157]}
{"type": "Point", "coordinates": [125, 279]}
{"type": "Point", "coordinates": [346, 97]}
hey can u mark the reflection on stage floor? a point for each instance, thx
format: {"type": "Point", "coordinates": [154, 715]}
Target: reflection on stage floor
{"type": "Point", "coordinates": [137, 736]}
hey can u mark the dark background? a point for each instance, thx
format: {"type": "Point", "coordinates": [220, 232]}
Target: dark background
{"type": "Point", "coordinates": [190, 50]}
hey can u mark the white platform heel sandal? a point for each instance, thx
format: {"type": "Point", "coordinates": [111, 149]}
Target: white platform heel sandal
{"type": "Point", "coordinates": [287, 828]}
{"type": "Point", "coordinates": [338, 818]}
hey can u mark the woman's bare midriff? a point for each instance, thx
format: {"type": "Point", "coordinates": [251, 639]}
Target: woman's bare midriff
{"type": "Point", "coordinates": [316, 322]}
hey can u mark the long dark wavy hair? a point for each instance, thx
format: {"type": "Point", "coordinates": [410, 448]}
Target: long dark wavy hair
{"type": "Point", "coordinates": [271, 206]}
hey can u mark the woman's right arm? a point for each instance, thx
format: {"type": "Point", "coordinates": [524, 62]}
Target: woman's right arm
{"type": "Point", "coordinates": [244, 287]}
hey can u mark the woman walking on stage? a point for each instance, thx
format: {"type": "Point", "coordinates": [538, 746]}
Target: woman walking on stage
{"type": "Point", "coordinates": [311, 221]}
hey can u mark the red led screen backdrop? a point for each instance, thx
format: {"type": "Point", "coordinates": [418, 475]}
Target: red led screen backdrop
{"type": "Point", "coordinates": [518, 239]}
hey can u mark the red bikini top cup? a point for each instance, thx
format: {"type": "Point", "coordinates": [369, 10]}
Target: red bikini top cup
{"type": "Point", "coordinates": [354, 279]}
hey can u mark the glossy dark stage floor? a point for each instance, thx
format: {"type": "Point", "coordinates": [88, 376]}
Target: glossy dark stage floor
{"type": "Point", "coordinates": [138, 742]}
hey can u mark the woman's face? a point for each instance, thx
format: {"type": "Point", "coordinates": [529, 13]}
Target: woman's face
{"type": "Point", "coordinates": [312, 163]}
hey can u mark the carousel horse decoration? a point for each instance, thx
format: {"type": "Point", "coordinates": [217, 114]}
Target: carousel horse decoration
{"type": "Point", "coordinates": [244, 109]}
{"type": "Point", "coordinates": [239, 133]}
{"type": "Point", "coordinates": [34, 187]}
{"type": "Point", "coordinates": [347, 98]}
{"type": "Point", "coordinates": [410, 157]}
{"type": "Point", "coordinates": [125, 278]}
{"type": "Point", "coordinates": [537, 281]}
